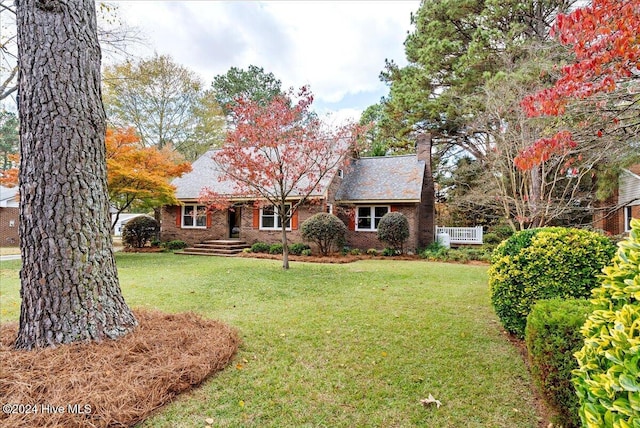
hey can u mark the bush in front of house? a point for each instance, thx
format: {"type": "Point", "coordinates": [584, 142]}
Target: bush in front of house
{"type": "Point", "coordinates": [176, 244]}
{"type": "Point", "coordinates": [275, 248]}
{"type": "Point", "coordinates": [393, 230]}
{"type": "Point", "coordinates": [297, 248]}
{"type": "Point", "coordinates": [139, 231]}
{"type": "Point", "coordinates": [552, 336]}
{"type": "Point", "coordinates": [390, 252]}
{"type": "Point", "coordinates": [608, 376]}
{"type": "Point", "coordinates": [325, 230]}
{"type": "Point", "coordinates": [542, 264]}
{"type": "Point", "coordinates": [260, 247]}
{"type": "Point", "coordinates": [435, 251]}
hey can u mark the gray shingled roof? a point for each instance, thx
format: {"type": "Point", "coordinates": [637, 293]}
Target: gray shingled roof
{"type": "Point", "coordinates": [392, 178]}
{"type": "Point", "coordinates": [204, 173]}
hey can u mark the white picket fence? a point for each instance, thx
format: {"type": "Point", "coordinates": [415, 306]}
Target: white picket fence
{"type": "Point", "coordinates": [462, 235]}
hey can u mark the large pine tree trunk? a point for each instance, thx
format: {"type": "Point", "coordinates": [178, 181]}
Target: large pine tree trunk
{"type": "Point", "coordinates": [69, 284]}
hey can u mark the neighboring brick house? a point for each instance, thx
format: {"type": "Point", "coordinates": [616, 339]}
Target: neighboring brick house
{"type": "Point", "coordinates": [9, 235]}
{"type": "Point", "coordinates": [360, 193]}
{"type": "Point", "coordinates": [615, 214]}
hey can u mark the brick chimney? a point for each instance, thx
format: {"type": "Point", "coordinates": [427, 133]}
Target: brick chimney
{"type": "Point", "coordinates": [426, 209]}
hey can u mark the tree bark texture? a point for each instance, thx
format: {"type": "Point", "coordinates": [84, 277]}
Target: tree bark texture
{"type": "Point", "coordinates": [69, 283]}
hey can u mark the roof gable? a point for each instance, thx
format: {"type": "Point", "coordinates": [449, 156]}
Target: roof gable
{"type": "Point", "coordinates": [629, 188]}
{"type": "Point", "coordinates": [387, 178]}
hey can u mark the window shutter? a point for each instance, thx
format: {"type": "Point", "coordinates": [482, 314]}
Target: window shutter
{"type": "Point", "coordinates": [209, 219]}
{"type": "Point", "coordinates": [178, 216]}
{"type": "Point", "coordinates": [352, 222]}
{"type": "Point", "coordinates": [256, 217]}
{"type": "Point", "coordinates": [394, 208]}
{"type": "Point", "coordinates": [294, 220]}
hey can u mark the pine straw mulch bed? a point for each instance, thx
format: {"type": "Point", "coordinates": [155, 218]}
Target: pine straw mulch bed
{"type": "Point", "coordinates": [120, 382]}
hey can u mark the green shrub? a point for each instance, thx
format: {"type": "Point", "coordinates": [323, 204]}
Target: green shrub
{"type": "Point", "coordinates": [355, 252]}
{"type": "Point", "coordinates": [325, 230]}
{"type": "Point", "coordinates": [503, 230]}
{"type": "Point", "coordinates": [491, 239]}
{"type": "Point", "coordinates": [390, 252]}
{"type": "Point", "coordinates": [306, 252]}
{"type": "Point", "coordinates": [275, 248]}
{"type": "Point", "coordinates": [372, 252]}
{"type": "Point", "coordinates": [435, 251]}
{"type": "Point", "coordinates": [260, 247]}
{"type": "Point", "coordinates": [552, 336]}
{"type": "Point", "coordinates": [139, 231]}
{"type": "Point", "coordinates": [393, 230]}
{"type": "Point", "coordinates": [297, 248]}
{"type": "Point", "coordinates": [543, 264]}
{"type": "Point", "coordinates": [460, 256]}
{"type": "Point", "coordinates": [176, 244]}
{"type": "Point", "coordinates": [608, 378]}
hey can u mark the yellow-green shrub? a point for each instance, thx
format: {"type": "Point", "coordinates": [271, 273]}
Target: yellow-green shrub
{"type": "Point", "coordinates": [543, 264]}
{"type": "Point", "coordinates": [608, 378]}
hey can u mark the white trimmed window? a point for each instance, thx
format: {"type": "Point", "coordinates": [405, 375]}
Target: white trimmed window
{"type": "Point", "coordinates": [194, 216]}
{"type": "Point", "coordinates": [628, 215]}
{"type": "Point", "coordinates": [368, 218]}
{"type": "Point", "coordinates": [329, 208]}
{"type": "Point", "coordinates": [270, 218]}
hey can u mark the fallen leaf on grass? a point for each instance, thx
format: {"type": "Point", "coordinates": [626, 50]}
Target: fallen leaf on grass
{"type": "Point", "coordinates": [430, 400]}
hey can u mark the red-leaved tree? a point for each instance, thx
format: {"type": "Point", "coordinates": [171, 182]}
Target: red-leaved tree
{"type": "Point", "coordinates": [279, 154]}
{"type": "Point", "coordinates": [603, 79]}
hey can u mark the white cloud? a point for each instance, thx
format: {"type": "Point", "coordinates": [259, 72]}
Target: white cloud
{"type": "Point", "coordinates": [337, 47]}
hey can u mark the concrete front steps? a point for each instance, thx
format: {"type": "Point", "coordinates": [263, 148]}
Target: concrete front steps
{"type": "Point", "coordinates": [218, 247]}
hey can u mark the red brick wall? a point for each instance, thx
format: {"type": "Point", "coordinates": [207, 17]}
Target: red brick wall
{"type": "Point", "coordinates": [219, 226]}
{"type": "Point", "coordinates": [366, 240]}
{"type": "Point", "coordinates": [169, 230]}
{"type": "Point", "coordinates": [9, 227]}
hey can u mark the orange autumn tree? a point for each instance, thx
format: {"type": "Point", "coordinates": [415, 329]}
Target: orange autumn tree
{"type": "Point", "coordinates": [279, 153]}
{"type": "Point", "coordinates": [603, 37]}
{"type": "Point", "coordinates": [139, 176]}
{"type": "Point", "coordinates": [9, 177]}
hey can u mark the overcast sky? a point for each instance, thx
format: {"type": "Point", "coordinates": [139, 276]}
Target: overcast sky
{"type": "Point", "coordinates": [336, 47]}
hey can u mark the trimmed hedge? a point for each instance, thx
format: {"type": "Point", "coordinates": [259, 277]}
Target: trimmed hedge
{"type": "Point", "coordinates": [176, 244]}
{"type": "Point", "coordinates": [260, 247]}
{"type": "Point", "coordinates": [297, 248]}
{"type": "Point", "coordinates": [393, 230]}
{"type": "Point", "coordinates": [608, 378]}
{"type": "Point", "coordinates": [542, 264]}
{"type": "Point", "coordinates": [139, 231]}
{"type": "Point", "coordinates": [325, 230]}
{"type": "Point", "coordinates": [552, 336]}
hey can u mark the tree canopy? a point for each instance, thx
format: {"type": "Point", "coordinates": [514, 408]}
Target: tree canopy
{"type": "Point", "coordinates": [165, 103]}
{"type": "Point", "coordinates": [603, 78]}
{"type": "Point", "coordinates": [138, 177]}
{"type": "Point", "coordinates": [252, 84]}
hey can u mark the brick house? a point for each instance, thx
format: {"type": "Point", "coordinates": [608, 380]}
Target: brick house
{"type": "Point", "coordinates": [9, 235]}
{"type": "Point", "coordinates": [615, 214]}
{"type": "Point", "coordinates": [360, 193]}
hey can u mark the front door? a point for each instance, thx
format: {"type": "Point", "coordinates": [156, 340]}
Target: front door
{"type": "Point", "coordinates": [234, 216]}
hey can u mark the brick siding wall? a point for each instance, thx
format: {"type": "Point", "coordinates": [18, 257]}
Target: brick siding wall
{"type": "Point", "coordinates": [9, 235]}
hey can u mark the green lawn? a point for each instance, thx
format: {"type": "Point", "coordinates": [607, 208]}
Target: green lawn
{"type": "Point", "coordinates": [334, 345]}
